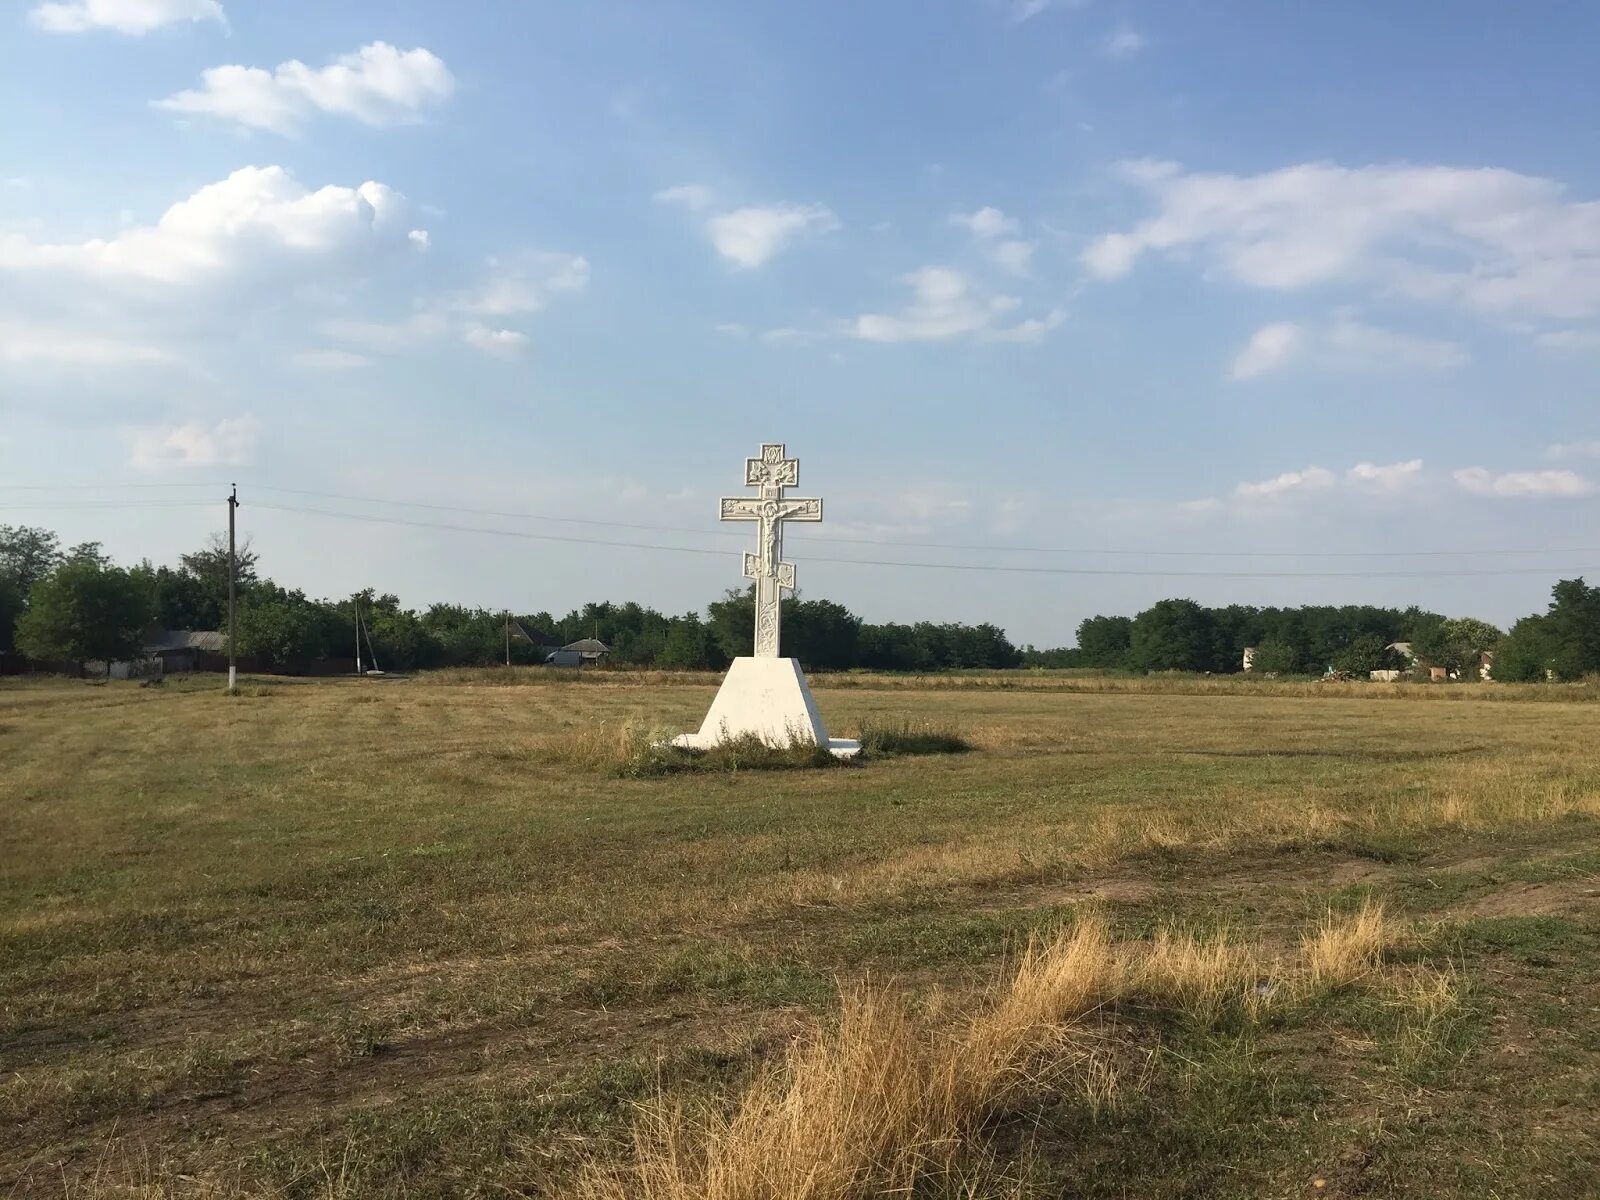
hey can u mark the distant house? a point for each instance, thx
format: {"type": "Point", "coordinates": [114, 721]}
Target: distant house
{"type": "Point", "coordinates": [172, 651]}
{"type": "Point", "coordinates": [186, 649]}
{"type": "Point", "coordinates": [517, 631]}
{"type": "Point", "coordinates": [1417, 663]}
{"type": "Point", "coordinates": [582, 653]}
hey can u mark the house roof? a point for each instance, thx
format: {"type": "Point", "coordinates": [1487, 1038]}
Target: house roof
{"type": "Point", "coordinates": [524, 633]}
{"type": "Point", "coordinates": [588, 646]}
{"type": "Point", "coordinates": [211, 640]}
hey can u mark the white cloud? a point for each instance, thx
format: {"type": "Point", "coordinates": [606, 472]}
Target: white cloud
{"type": "Point", "coordinates": [1487, 239]}
{"type": "Point", "coordinates": [1269, 348]}
{"type": "Point", "coordinates": [1570, 339]}
{"type": "Point", "coordinates": [501, 343]}
{"type": "Point", "coordinates": [255, 214]}
{"type": "Point", "coordinates": [1122, 43]}
{"type": "Point", "coordinates": [992, 229]}
{"type": "Point", "coordinates": [1013, 256]}
{"type": "Point", "coordinates": [732, 329]}
{"type": "Point", "coordinates": [420, 238]}
{"type": "Point", "coordinates": [1349, 343]}
{"type": "Point", "coordinates": [125, 16]}
{"type": "Point", "coordinates": [1561, 450]}
{"type": "Point", "coordinates": [1025, 10]}
{"type": "Point", "coordinates": [229, 442]}
{"type": "Point", "coordinates": [1523, 484]}
{"type": "Point", "coordinates": [789, 336]}
{"type": "Point", "coordinates": [31, 345]}
{"type": "Point", "coordinates": [945, 305]}
{"type": "Point", "coordinates": [1365, 478]}
{"type": "Point", "coordinates": [513, 285]}
{"type": "Point", "coordinates": [329, 360]}
{"type": "Point", "coordinates": [378, 84]}
{"type": "Point", "coordinates": [1344, 344]}
{"type": "Point", "coordinates": [523, 283]}
{"type": "Point", "coordinates": [986, 222]}
{"type": "Point", "coordinates": [1312, 479]}
{"type": "Point", "coordinates": [751, 236]}
{"type": "Point", "coordinates": [693, 196]}
{"type": "Point", "coordinates": [388, 337]}
{"type": "Point", "coordinates": [1391, 478]}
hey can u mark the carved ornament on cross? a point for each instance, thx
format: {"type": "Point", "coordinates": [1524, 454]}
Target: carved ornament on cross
{"type": "Point", "coordinates": [770, 474]}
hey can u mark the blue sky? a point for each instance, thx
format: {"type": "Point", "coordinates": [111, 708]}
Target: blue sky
{"type": "Point", "coordinates": [1166, 291]}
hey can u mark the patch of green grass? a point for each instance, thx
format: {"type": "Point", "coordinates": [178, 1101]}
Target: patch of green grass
{"type": "Point", "coordinates": [699, 970]}
{"type": "Point", "coordinates": [1534, 938]}
{"type": "Point", "coordinates": [888, 737]}
{"type": "Point", "coordinates": [653, 760]}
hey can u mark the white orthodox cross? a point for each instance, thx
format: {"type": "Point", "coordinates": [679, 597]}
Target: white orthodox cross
{"type": "Point", "coordinates": [770, 473]}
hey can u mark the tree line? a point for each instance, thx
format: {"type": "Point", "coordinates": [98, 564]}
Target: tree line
{"type": "Point", "coordinates": [73, 605]}
{"type": "Point", "coordinates": [76, 606]}
{"type": "Point", "coordinates": [1180, 635]}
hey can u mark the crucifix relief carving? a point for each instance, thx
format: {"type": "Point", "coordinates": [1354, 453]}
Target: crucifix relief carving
{"type": "Point", "coordinates": [770, 474]}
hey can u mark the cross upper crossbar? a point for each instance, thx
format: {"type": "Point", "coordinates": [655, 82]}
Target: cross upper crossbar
{"type": "Point", "coordinates": [771, 473]}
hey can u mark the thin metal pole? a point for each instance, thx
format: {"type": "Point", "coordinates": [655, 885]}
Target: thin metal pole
{"type": "Point", "coordinates": [233, 590]}
{"type": "Point", "coordinates": [508, 637]}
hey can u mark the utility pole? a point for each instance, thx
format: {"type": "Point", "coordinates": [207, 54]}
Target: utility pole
{"type": "Point", "coordinates": [508, 637]}
{"type": "Point", "coordinates": [233, 590]}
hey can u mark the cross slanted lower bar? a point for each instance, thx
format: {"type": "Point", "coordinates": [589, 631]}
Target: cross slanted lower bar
{"type": "Point", "coordinates": [770, 474]}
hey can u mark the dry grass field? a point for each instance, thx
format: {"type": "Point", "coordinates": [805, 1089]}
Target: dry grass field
{"type": "Point", "coordinates": [435, 937]}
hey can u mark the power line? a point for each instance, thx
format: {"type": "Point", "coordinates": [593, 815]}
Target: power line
{"type": "Point", "coordinates": [76, 504]}
{"type": "Point", "coordinates": [97, 487]}
{"type": "Point", "coordinates": [818, 539]}
{"type": "Point", "coordinates": [931, 566]}
{"type": "Point", "coordinates": [917, 545]}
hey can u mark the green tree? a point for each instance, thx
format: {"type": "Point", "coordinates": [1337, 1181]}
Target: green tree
{"type": "Point", "coordinates": [1525, 654]}
{"type": "Point", "coordinates": [1173, 635]}
{"type": "Point", "coordinates": [821, 634]}
{"type": "Point", "coordinates": [1366, 653]}
{"type": "Point", "coordinates": [288, 630]}
{"type": "Point", "coordinates": [82, 611]}
{"type": "Point", "coordinates": [27, 555]}
{"type": "Point", "coordinates": [691, 646]}
{"type": "Point", "coordinates": [1105, 641]}
{"type": "Point", "coordinates": [1573, 629]}
{"type": "Point", "coordinates": [1275, 657]}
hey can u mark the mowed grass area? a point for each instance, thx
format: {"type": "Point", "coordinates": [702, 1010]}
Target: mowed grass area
{"type": "Point", "coordinates": [419, 938]}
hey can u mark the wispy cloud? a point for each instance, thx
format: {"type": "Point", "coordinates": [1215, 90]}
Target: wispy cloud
{"type": "Point", "coordinates": [376, 85]}
{"type": "Point", "coordinates": [1519, 246]}
{"type": "Point", "coordinates": [1523, 485]}
{"type": "Point", "coordinates": [944, 305]}
{"type": "Point", "coordinates": [38, 345]}
{"type": "Point", "coordinates": [994, 232]}
{"type": "Point", "coordinates": [230, 442]}
{"type": "Point", "coordinates": [135, 17]}
{"type": "Point", "coordinates": [1563, 450]}
{"type": "Point", "coordinates": [752, 235]}
{"type": "Point", "coordinates": [1122, 43]}
{"type": "Point", "coordinates": [1345, 344]}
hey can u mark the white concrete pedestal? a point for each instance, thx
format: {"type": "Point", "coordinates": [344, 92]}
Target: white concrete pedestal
{"type": "Point", "coordinates": [769, 698]}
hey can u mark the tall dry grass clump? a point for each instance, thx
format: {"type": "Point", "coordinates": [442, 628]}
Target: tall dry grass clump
{"type": "Point", "coordinates": [1342, 950]}
{"type": "Point", "coordinates": [891, 1098]}
{"type": "Point", "coordinates": [871, 1107]}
